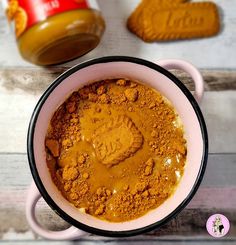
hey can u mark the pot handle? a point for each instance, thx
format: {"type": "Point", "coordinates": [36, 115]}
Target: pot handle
{"type": "Point", "coordinates": [31, 201]}
{"type": "Point", "coordinates": [188, 68]}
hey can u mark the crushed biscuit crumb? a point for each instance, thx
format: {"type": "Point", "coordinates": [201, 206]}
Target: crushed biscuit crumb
{"type": "Point", "coordinates": [121, 82]}
{"type": "Point", "coordinates": [101, 90]}
{"type": "Point", "coordinates": [92, 97]}
{"type": "Point", "coordinates": [152, 105]}
{"type": "Point", "coordinates": [81, 159]}
{"type": "Point", "coordinates": [104, 99]}
{"type": "Point", "coordinates": [133, 84]}
{"type": "Point", "coordinates": [110, 142]}
{"type": "Point", "coordinates": [100, 210]}
{"type": "Point", "coordinates": [131, 94]}
{"type": "Point", "coordinates": [85, 175]}
{"type": "Point", "coordinates": [70, 173]}
{"type": "Point", "coordinates": [53, 146]}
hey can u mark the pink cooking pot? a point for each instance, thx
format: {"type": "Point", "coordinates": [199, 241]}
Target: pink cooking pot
{"type": "Point", "coordinates": [154, 75]}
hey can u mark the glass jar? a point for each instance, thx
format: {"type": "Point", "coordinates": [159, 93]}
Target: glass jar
{"type": "Point", "coordinates": [54, 31]}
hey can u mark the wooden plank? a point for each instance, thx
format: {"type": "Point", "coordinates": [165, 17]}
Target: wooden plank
{"type": "Point", "coordinates": [189, 223]}
{"type": "Point", "coordinates": [17, 106]}
{"type": "Point", "coordinates": [214, 198]}
{"type": "Point", "coordinates": [182, 241]}
{"type": "Point", "coordinates": [35, 81]}
{"type": "Point", "coordinates": [21, 88]}
{"type": "Point", "coordinates": [219, 112]}
{"type": "Point", "coordinates": [220, 173]}
{"type": "Point", "coordinates": [221, 198]}
{"type": "Point", "coordinates": [215, 52]}
{"type": "Point", "coordinates": [216, 195]}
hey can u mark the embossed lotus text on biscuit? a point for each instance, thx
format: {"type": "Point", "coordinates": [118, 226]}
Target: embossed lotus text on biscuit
{"type": "Point", "coordinates": [159, 22]}
{"type": "Point", "coordinates": [117, 140]}
{"type": "Point", "coordinates": [183, 19]}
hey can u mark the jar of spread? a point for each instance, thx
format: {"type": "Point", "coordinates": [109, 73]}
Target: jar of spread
{"type": "Point", "coordinates": [54, 31]}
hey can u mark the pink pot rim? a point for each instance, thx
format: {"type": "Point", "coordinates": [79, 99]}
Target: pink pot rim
{"type": "Point", "coordinates": [37, 179]}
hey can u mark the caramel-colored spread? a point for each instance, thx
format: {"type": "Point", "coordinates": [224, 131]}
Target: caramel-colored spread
{"type": "Point", "coordinates": [116, 149]}
{"type": "Point", "coordinates": [61, 37]}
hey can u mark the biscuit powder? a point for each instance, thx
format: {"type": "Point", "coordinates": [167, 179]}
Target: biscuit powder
{"type": "Point", "coordinates": [116, 149]}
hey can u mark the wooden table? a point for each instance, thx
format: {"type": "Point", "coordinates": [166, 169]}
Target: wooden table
{"type": "Point", "coordinates": [21, 84]}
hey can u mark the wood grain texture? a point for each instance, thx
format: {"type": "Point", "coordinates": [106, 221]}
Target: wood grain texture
{"type": "Point", "coordinates": [21, 85]}
{"type": "Point", "coordinates": [216, 195]}
{"type": "Point", "coordinates": [151, 241]}
{"type": "Point", "coordinates": [19, 92]}
{"type": "Point", "coordinates": [189, 224]}
{"type": "Point", "coordinates": [16, 175]}
{"type": "Point", "coordinates": [21, 88]}
{"type": "Point", "coordinates": [35, 81]}
{"type": "Point", "coordinates": [215, 52]}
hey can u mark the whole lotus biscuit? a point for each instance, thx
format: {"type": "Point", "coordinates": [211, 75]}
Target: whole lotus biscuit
{"type": "Point", "coordinates": [179, 21]}
{"type": "Point", "coordinates": [117, 140]}
{"type": "Point", "coordinates": [136, 20]}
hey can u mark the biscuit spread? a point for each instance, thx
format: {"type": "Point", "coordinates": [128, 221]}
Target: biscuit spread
{"type": "Point", "coordinates": [54, 31]}
{"type": "Point", "coordinates": [116, 149]}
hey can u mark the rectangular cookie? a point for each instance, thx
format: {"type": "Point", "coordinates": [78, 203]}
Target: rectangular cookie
{"type": "Point", "coordinates": [180, 21]}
